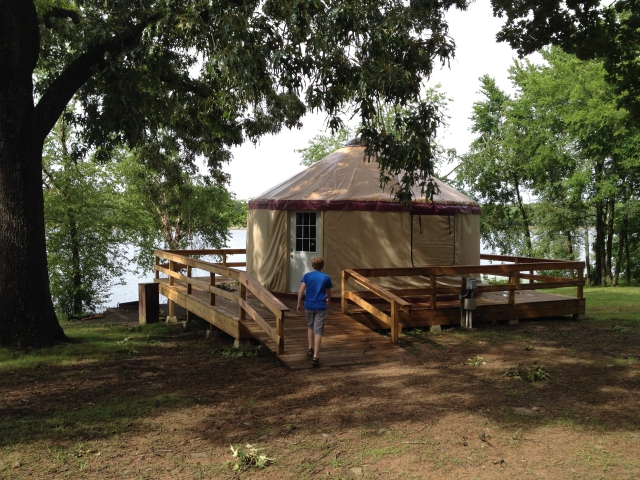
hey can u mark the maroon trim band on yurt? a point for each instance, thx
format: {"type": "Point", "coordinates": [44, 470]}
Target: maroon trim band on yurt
{"type": "Point", "coordinates": [417, 208]}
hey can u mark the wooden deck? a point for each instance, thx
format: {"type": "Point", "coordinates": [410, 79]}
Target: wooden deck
{"type": "Point", "coordinates": [491, 307]}
{"type": "Point", "coordinates": [438, 302]}
{"type": "Point", "coordinates": [345, 340]}
{"type": "Point", "coordinates": [251, 311]}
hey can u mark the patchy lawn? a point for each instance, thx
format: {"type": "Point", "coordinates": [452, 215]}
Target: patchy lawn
{"type": "Point", "coordinates": [159, 402]}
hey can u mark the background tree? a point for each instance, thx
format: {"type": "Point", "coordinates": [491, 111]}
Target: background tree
{"type": "Point", "coordinates": [564, 141]}
{"type": "Point", "coordinates": [239, 213]}
{"type": "Point", "coordinates": [82, 216]}
{"type": "Point", "coordinates": [494, 172]}
{"type": "Point", "coordinates": [209, 73]}
{"type": "Point", "coordinates": [169, 208]}
{"type": "Point", "coordinates": [322, 145]}
{"type": "Point", "coordinates": [577, 139]}
{"type": "Point", "coordinates": [587, 29]}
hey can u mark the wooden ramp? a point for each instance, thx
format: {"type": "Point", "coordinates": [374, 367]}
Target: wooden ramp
{"type": "Point", "coordinates": [345, 341]}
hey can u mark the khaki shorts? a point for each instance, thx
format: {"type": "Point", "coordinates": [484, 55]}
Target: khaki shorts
{"type": "Point", "coordinates": [316, 320]}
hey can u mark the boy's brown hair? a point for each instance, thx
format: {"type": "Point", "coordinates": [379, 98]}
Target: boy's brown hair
{"type": "Point", "coordinates": [317, 263]}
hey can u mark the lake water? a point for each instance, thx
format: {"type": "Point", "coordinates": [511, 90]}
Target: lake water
{"type": "Point", "coordinates": [128, 292]}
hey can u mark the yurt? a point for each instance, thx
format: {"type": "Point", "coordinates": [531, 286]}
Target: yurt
{"type": "Point", "coordinates": [337, 209]}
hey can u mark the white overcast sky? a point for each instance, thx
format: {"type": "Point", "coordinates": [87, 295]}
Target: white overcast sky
{"type": "Point", "coordinates": [256, 169]}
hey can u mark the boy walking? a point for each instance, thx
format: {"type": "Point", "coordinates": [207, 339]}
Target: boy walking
{"type": "Point", "coordinates": [318, 286]}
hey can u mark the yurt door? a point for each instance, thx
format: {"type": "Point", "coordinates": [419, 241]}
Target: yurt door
{"type": "Point", "coordinates": [305, 242]}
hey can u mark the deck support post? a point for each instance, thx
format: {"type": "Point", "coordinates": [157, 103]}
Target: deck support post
{"type": "Point", "coordinates": [580, 292]}
{"type": "Point", "coordinates": [188, 284]}
{"type": "Point", "coordinates": [172, 267]}
{"type": "Point", "coordinates": [280, 332]}
{"type": "Point", "coordinates": [344, 301]}
{"type": "Point", "coordinates": [171, 317]}
{"type": "Point", "coordinates": [433, 281]}
{"type": "Point", "coordinates": [148, 303]}
{"type": "Point", "coordinates": [212, 296]}
{"type": "Point", "coordinates": [514, 279]}
{"type": "Point", "coordinates": [395, 325]}
{"type": "Point", "coordinates": [242, 314]}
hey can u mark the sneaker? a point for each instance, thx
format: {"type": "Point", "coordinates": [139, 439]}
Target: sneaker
{"type": "Point", "coordinates": [315, 362]}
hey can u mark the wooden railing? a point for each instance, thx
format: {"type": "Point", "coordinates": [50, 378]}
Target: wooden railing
{"type": "Point", "coordinates": [178, 260]}
{"type": "Point", "coordinates": [396, 302]}
{"type": "Point", "coordinates": [517, 269]}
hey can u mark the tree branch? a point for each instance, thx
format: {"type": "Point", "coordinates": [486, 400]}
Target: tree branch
{"type": "Point", "coordinates": [78, 72]}
{"type": "Point", "coordinates": [57, 12]}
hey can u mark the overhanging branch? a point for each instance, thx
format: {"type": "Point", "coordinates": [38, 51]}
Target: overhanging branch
{"type": "Point", "coordinates": [78, 72]}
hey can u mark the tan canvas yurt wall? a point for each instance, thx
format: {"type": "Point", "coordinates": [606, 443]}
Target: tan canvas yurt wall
{"type": "Point", "coordinates": [267, 248]}
{"type": "Point", "coordinates": [361, 225]}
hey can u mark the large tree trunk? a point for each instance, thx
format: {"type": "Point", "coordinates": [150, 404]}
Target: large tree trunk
{"type": "Point", "coordinates": [26, 316]}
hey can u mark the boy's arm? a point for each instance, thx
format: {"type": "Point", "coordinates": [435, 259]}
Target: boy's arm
{"type": "Point", "coordinates": [300, 293]}
{"type": "Point", "coordinates": [328, 296]}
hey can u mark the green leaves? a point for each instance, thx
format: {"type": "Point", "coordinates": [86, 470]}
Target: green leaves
{"type": "Point", "coordinates": [216, 73]}
{"type": "Point", "coordinates": [401, 138]}
{"type": "Point", "coordinates": [82, 215]}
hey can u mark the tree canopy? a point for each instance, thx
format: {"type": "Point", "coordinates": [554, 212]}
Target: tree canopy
{"type": "Point", "coordinates": [564, 142]}
{"type": "Point", "coordinates": [589, 29]}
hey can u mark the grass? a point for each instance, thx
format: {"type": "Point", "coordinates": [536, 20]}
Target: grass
{"type": "Point", "coordinates": [607, 307]}
{"type": "Point", "coordinates": [90, 343]}
{"type": "Point", "coordinates": [102, 419]}
{"type": "Point", "coordinates": [607, 304]}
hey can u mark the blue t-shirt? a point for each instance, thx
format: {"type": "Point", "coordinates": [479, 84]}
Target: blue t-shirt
{"type": "Point", "coordinates": [316, 293]}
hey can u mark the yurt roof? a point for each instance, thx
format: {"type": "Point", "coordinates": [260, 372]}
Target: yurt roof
{"type": "Point", "coordinates": [344, 181]}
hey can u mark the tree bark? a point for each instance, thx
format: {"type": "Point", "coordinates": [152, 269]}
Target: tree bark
{"type": "Point", "coordinates": [626, 251]}
{"type": "Point", "coordinates": [27, 317]}
{"type": "Point", "coordinates": [616, 274]}
{"type": "Point", "coordinates": [76, 308]}
{"type": "Point", "coordinates": [525, 217]}
{"type": "Point", "coordinates": [609, 245]}
{"type": "Point", "coordinates": [587, 261]}
{"type": "Point", "coordinates": [599, 244]}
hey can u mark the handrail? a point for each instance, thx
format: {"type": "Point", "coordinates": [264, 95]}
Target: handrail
{"type": "Point", "coordinates": [513, 271]}
{"type": "Point", "coordinates": [377, 289]}
{"type": "Point", "coordinates": [178, 259]}
{"type": "Point", "coordinates": [396, 302]}
{"type": "Point", "coordinates": [216, 251]}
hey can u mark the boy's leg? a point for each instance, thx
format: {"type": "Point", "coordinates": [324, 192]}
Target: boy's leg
{"type": "Point", "coordinates": [318, 329]}
{"type": "Point", "coordinates": [310, 318]}
{"type": "Point", "coordinates": [316, 347]}
{"type": "Point", "coordinates": [310, 337]}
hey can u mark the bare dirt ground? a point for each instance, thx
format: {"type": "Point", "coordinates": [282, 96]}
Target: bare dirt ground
{"type": "Point", "coordinates": [173, 409]}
